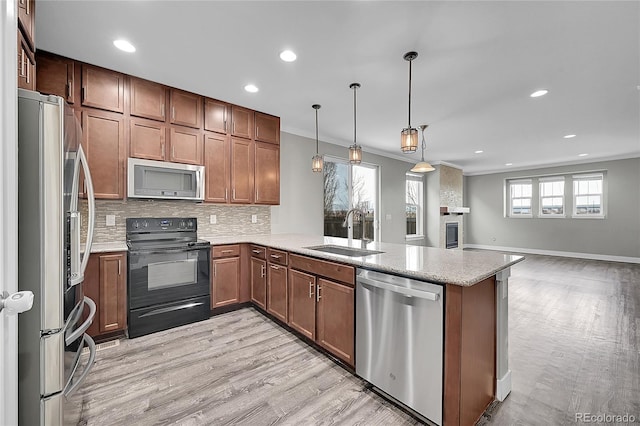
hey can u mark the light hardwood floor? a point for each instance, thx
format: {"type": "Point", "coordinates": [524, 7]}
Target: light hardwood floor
{"type": "Point", "coordinates": [574, 348]}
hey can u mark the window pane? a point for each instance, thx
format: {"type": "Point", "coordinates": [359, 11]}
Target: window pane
{"type": "Point", "coordinates": [526, 190]}
{"type": "Point", "coordinates": [595, 187]}
{"type": "Point", "coordinates": [364, 198]}
{"type": "Point", "coordinates": [516, 191]}
{"type": "Point", "coordinates": [336, 198]}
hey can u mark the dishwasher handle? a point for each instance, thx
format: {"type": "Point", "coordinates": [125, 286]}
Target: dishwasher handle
{"type": "Point", "coordinates": [397, 289]}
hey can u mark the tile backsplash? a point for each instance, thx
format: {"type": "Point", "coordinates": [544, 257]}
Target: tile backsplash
{"type": "Point", "coordinates": [230, 220]}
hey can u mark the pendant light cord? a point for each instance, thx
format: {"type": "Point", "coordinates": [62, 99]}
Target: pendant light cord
{"type": "Point", "coordinates": [354, 115]}
{"type": "Point", "coordinates": [316, 131]}
{"type": "Point", "coordinates": [409, 126]}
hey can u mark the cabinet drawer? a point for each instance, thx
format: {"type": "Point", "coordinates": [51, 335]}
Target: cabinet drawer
{"type": "Point", "coordinates": [259, 252]}
{"type": "Point", "coordinates": [323, 268]}
{"type": "Point", "coordinates": [277, 256]}
{"type": "Point", "coordinates": [225, 251]}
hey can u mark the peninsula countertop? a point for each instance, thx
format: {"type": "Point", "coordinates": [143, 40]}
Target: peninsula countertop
{"type": "Point", "coordinates": [459, 267]}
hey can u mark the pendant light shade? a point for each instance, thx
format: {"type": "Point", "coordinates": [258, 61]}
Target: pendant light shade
{"type": "Point", "coordinates": [422, 166]}
{"type": "Point", "coordinates": [409, 135]}
{"type": "Point", "coordinates": [316, 161]}
{"type": "Point", "coordinates": [355, 150]}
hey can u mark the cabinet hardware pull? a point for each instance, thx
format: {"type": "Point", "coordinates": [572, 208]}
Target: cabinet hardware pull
{"type": "Point", "coordinates": [276, 256]}
{"type": "Point", "coordinates": [173, 152]}
{"type": "Point", "coordinates": [257, 195]}
{"type": "Point", "coordinates": [318, 293]}
{"type": "Point", "coordinates": [69, 89]}
{"type": "Point", "coordinates": [26, 65]}
{"type": "Point", "coordinates": [162, 110]}
{"type": "Point", "coordinates": [215, 269]}
{"type": "Point", "coordinates": [225, 194]}
{"type": "Point", "coordinates": [226, 251]}
{"type": "Point", "coordinates": [22, 71]}
{"type": "Point", "coordinates": [263, 271]}
{"type": "Point", "coordinates": [275, 267]}
{"type": "Point", "coordinates": [311, 294]}
{"type": "Point", "coordinates": [118, 267]}
{"type": "Point", "coordinates": [173, 113]}
{"type": "Point", "coordinates": [257, 251]}
{"type": "Point", "coordinates": [257, 132]}
{"type": "Point", "coordinates": [234, 193]}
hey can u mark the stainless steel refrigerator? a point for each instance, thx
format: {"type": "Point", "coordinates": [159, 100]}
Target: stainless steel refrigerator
{"type": "Point", "coordinates": [51, 335]}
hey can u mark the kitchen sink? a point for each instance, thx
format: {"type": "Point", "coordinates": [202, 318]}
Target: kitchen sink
{"type": "Point", "coordinates": [345, 251]}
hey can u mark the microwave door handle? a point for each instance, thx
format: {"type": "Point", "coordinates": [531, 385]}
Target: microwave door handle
{"type": "Point", "coordinates": [92, 210]}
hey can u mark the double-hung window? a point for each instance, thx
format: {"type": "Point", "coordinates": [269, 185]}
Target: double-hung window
{"type": "Point", "coordinates": [520, 197]}
{"type": "Point", "coordinates": [552, 197]}
{"type": "Point", "coordinates": [588, 195]}
{"type": "Point", "coordinates": [414, 205]}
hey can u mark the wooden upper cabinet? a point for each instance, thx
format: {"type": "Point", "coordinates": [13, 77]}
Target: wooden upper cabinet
{"type": "Point", "coordinates": [216, 168]}
{"type": "Point", "coordinates": [185, 145]}
{"type": "Point", "coordinates": [103, 140]}
{"type": "Point", "coordinates": [267, 173]}
{"type": "Point", "coordinates": [113, 298]}
{"type": "Point", "coordinates": [147, 99]}
{"type": "Point", "coordinates": [241, 122]}
{"type": "Point", "coordinates": [186, 108]}
{"type": "Point", "coordinates": [242, 166]}
{"type": "Point", "coordinates": [102, 88]}
{"type": "Point", "coordinates": [215, 116]}
{"type": "Point", "coordinates": [147, 139]}
{"type": "Point", "coordinates": [26, 65]}
{"type": "Point", "coordinates": [56, 76]}
{"type": "Point", "coordinates": [267, 128]}
{"type": "Point", "coordinates": [302, 303]}
{"type": "Point", "coordinates": [27, 21]}
{"type": "Point", "coordinates": [336, 319]}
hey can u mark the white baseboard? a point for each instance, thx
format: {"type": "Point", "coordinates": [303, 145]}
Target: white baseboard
{"type": "Point", "coordinates": [592, 256]}
{"type": "Point", "coordinates": [503, 386]}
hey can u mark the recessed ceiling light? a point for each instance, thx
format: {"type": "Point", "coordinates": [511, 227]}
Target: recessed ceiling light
{"type": "Point", "coordinates": [251, 88]}
{"type": "Point", "coordinates": [508, 164]}
{"type": "Point", "coordinates": [539, 93]}
{"type": "Point", "coordinates": [582, 155]}
{"type": "Point", "coordinates": [288, 56]}
{"type": "Point", "coordinates": [479, 151]}
{"type": "Point", "coordinates": [124, 45]}
{"type": "Point", "coordinates": [569, 136]}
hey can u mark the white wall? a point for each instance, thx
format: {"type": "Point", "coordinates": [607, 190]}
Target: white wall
{"type": "Point", "coordinates": [301, 190]}
{"type": "Point", "coordinates": [616, 235]}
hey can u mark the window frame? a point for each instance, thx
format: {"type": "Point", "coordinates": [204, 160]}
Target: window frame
{"type": "Point", "coordinates": [585, 177]}
{"type": "Point", "coordinates": [510, 198]}
{"type": "Point", "coordinates": [551, 179]}
{"type": "Point", "coordinates": [419, 207]}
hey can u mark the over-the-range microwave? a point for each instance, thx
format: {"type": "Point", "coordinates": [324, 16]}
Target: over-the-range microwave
{"type": "Point", "coordinates": [164, 180]}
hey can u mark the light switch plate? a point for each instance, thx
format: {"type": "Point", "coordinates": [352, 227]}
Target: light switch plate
{"type": "Point", "coordinates": [213, 219]}
{"type": "Point", "coordinates": [111, 220]}
{"type": "Point", "coordinates": [254, 218]}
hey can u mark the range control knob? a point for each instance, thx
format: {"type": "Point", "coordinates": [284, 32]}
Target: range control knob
{"type": "Point", "coordinates": [190, 224]}
{"type": "Point", "coordinates": [136, 225]}
{"type": "Point", "coordinates": [145, 224]}
{"type": "Point", "coordinates": [181, 225]}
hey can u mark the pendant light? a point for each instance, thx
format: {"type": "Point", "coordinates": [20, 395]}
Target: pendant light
{"type": "Point", "coordinates": [316, 161]}
{"type": "Point", "coordinates": [409, 135]}
{"type": "Point", "coordinates": [355, 150]}
{"type": "Point", "coordinates": [423, 166]}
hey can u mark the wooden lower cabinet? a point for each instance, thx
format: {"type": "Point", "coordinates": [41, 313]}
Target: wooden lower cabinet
{"type": "Point", "coordinates": [225, 282]}
{"type": "Point", "coordinates": [277, 300]}
{"type": "Point", "coordinates": [335, 319]}
{"type": "Point", "coordinates": [106, 284]}
{"type": "Point", "coordinates": [302, 303]}
{"type": "Point", "coordinates": [259, 282]}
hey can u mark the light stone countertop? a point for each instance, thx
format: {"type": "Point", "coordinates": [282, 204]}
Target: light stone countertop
{"type": "Point", "coordinates": [459, 267]}
{"type": "Point", "coordinates": [107, 247]}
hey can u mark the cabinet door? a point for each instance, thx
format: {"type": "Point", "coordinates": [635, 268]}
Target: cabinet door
{"type": "Point", "coordinates": [147, 99]}
{"type": "Point", "coordinates": [215, 116]}
{"type": "Point", "coordinates": [103, 139]}
{"type": "Point", "coordinates": [113, 301]}
{"type": "Point", "coordinates": [277, 300]}
{"type": "Point", "coordinates": [267, 173]}
{"type": "Point", "coordinates": [241, 122]}
{"type": "Point", "coordinates": [26, 65]}
{"type": "Point", "coordinates": [336, 319]}
{"type": "Point", "coordinates": [147, 139]}
{"type": "Point", "coordinates": [186, 108]}
{"type": "Point", "coordinates": [267, 128]}
{"type": "Point", "coordinates": [241, 171]}
{"type": "Point", "coordinates": [91, 289]}
{"type": "Point", "coordinates": [302, 303]}
{"type": "Point", "coordinates": [259, 282]}
{"type": "Point", "coordinates": [225, 284]}
{"type": "Point", "coordinates": [102, 88]}
{"type": "Point", "coordinates": [185, 145]}
{"type": "Point", "coordinates": [26, 21]}
{"type": "Point", "coordinates": [216, 168]}
{"type": "Point", "coordinates": [55, 76]}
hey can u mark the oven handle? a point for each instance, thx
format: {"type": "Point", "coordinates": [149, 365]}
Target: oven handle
{"type": "Point", "coordinates": [171, 309]}
{"type": "Point", "coordinates": [180, 250]}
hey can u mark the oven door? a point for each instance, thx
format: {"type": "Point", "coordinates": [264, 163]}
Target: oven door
{"type": "Point", "coordinates": [161, 276]}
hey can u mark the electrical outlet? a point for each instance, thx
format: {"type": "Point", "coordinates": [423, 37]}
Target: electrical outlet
{"type": "Point", "coordinates": [388, 217]}
{"type": "Point", "coordinates": [254, 218]}
{"type": "Point", "coordinates": [213, 219]}
{"type": "Point", "coordinates": [111, 220]}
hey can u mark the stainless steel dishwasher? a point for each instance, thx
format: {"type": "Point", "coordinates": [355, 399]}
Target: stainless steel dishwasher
{"type": "Point", "coordinates": [399, 339]}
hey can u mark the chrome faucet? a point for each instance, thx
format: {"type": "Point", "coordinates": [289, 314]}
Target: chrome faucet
{"type": "Point", "coordinates": [363, 241]}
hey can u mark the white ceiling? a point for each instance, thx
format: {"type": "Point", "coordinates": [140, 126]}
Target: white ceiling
{"type": "Point", "coordinates": [478, 62]}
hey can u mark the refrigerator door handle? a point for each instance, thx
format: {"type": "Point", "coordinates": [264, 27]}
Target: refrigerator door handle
{"type": "Point", "coordinates": [92, 209]}
{"type": "Point", "coordinates": [72, 385]}
{"type": "Point", "coordinates": [85, 325]}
